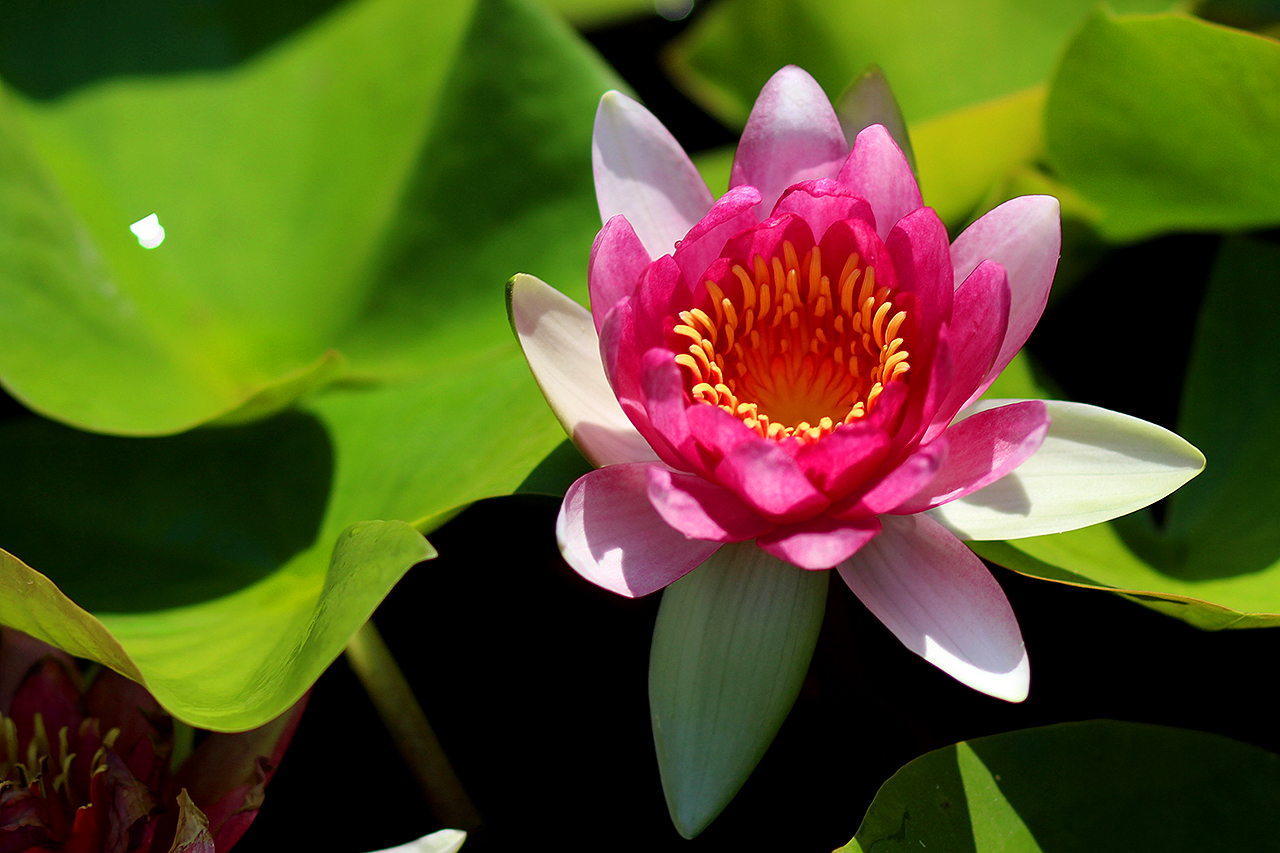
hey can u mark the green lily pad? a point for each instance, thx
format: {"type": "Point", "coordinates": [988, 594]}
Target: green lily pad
{"type": "Point", "coordinates": [938, 55]}
{"type": "Point", "coordinates": [1169, 123]}
{"type": "Point", "coordinates": [1096, 786]}
{"type": "Point", "coordinates": [1215, 563]}
{"type": "Point", "coordinates": [226, 567]}
{"type": "Point", "coordinates": [311, 203]}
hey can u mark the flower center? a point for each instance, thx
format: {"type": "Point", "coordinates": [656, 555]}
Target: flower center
{"type": "Point", "coordinates": [796, 356]}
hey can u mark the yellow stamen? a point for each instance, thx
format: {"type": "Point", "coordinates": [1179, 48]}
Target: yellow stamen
{"type": "Point", "coordinates": [790, 348]}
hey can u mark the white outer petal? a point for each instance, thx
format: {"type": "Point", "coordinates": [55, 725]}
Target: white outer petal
{"type": "Point", "coordinates": [443, 841]}
{"type": "Point", "coordinates": [644, 174]}
{"type": "Point", "coordinates": [560, 343]}
{"type": "Point", "coordinates": [1094, 465]}
{"type": "Point", "coordinates": [942, 603]}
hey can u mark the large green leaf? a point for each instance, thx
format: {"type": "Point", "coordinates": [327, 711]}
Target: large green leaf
{"type": "Point", "coordinates": [226, 567]}
{"type": "Point", "coordinates": [1216, 561]}
{"type": "Point", "coordinates": [275, 183]}
{"type": "Point", "coordinates": [1097, 786]}
{"type": "Point", "coordinates": [1169, 123]}
{"type": "Point", "coordinates": [939, 55]}
{"type": "Point", "coordinates": [311, 202]}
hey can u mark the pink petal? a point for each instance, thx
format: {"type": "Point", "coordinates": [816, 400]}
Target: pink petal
{"type": "Point", "coordinates": [942, 603]}
{"type": "Point", "coordinates": [715, 430]}
{"type": "Point", "coordinates": [922, 259]}
{"type": "Point", "coordinates": [766, 477]}
{"type": "Point", "coordinates": [983, 448]}
{"type": "Point", "coordinates": [821, 543]}
{"type": "Point", "coordinates": [662, 292]}
{"type": "Point", "coordinates": [1025, 236]}
{"type": "Point", "coordinates": [642, 173]}
{"type": "Point", "coordinates": [702, 510]}
{"type": "Point", "coordinates": [898, 486]}
{"type": "Point", "coordinates": [930, 388]}
{"type": "Point", "coordinates": [878, 171]}
{"type": "Point", "coordinates": [665, 402]}
{"type": "Point", "coordinates": [820, 203]}
{"type": "Point", "coordinates": [733, 212]}
{"type": "Point", "coordinates": [765, 239]}
{"type": "Point", "coordinates": [560, 345]}
{"type": "Point", "coordinates": [846, 236]}
{"type": "Point", "coordinates": [622, 362]}
{"type": "Point", "coordinates": [618, 260]}
{"type": "Point", "coordinates": [979, 318]}
{"type": "Point", "coordinates": [843, 460]}
{"type": "Point", "coordinates": [611, 535]}
{"type": "Point", "coordinates": [792, 135]}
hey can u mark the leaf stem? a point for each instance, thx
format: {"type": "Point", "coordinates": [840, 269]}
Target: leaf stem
{"type": "Point", "coordinates": [405, 721]}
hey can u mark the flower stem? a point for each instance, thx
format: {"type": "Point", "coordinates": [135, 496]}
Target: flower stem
{"type": "Point", "coordinates": [405, 721]}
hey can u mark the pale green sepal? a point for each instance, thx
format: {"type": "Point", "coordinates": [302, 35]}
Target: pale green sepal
{"type": "Point", "coordinates": [730, 650]}
{"type": "Point", "coordinates": [1094, 465]}
{"type": "Point", "coordinates": [869, 100]}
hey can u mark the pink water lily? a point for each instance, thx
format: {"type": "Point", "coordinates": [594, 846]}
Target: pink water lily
{"type": "Point", "coordinates": [799, 363]}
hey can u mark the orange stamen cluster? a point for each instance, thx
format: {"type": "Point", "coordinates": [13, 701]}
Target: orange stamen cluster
{"type": "Point", "coordinates": [797, 356]}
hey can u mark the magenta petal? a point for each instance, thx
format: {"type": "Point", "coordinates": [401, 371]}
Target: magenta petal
{"type": "Point", "coordinates": [610, 534]}
{"type": "Point", "coordinates": [922, 259]}
{"type": "Point", "coordinates": [821, 543]}
{"type": "Point", "coordinates": [665, 403]}
{"type": "Point", "coordinates": [618, 260]}
{"type": "Point", "coordinates": [901, 484]}
{"type": "Point", "coordinates": [766, 477]}
{"type": "Point", "coordinates": [841, 461]}
{"type": "Point", "coordinates": [1024, 236]}
{"type": "Point", "coordinates": [820, 203]}
{"type": "Point", "coordinates": [792, 135]}
{"type": "Point", "coordinates": [702, 510]}
{"type": "Point", "coordinates": [977, 329]}
{"type": "Point", "coordinates": [942, 603]}
{"type": "Point", "coordinates": [715, 430]}
{"type": "Point", "coordinates": [642, 173]}
{"type": "Point", "coordinates": [878, 171]}
{"type": "Point", "coordinates": [733, 212]}
{"type": "Point", "coordinates": [983, 448]}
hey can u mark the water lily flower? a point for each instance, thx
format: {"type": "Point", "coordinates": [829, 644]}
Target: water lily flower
{"type": "Point", "coordinates": [89, 770]}
{"type": "Point", "coordinates": [799, 363]}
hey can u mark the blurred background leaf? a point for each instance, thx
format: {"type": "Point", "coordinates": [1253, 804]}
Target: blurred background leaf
{"type": "Point", "coordinates": [1169, 123]}
{"type": "Point", "coordinates": [938, 55]}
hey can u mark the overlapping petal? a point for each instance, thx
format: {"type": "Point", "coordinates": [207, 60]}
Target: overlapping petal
{"type": "Point", "coordinates": [877, 170]}
{"type": "Point", "coordinates": [1094, 465]}
{"type": "Point", "coordinates": [942, 603]}
{"type": "Point", "coordinates": [1024, 236]}
{"type": "Point", "coordinates": [560, 345]}
{"type": "Point", "coordinates": [611, 535]}
{"type": "Point", "coordinates": [642, 173]}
